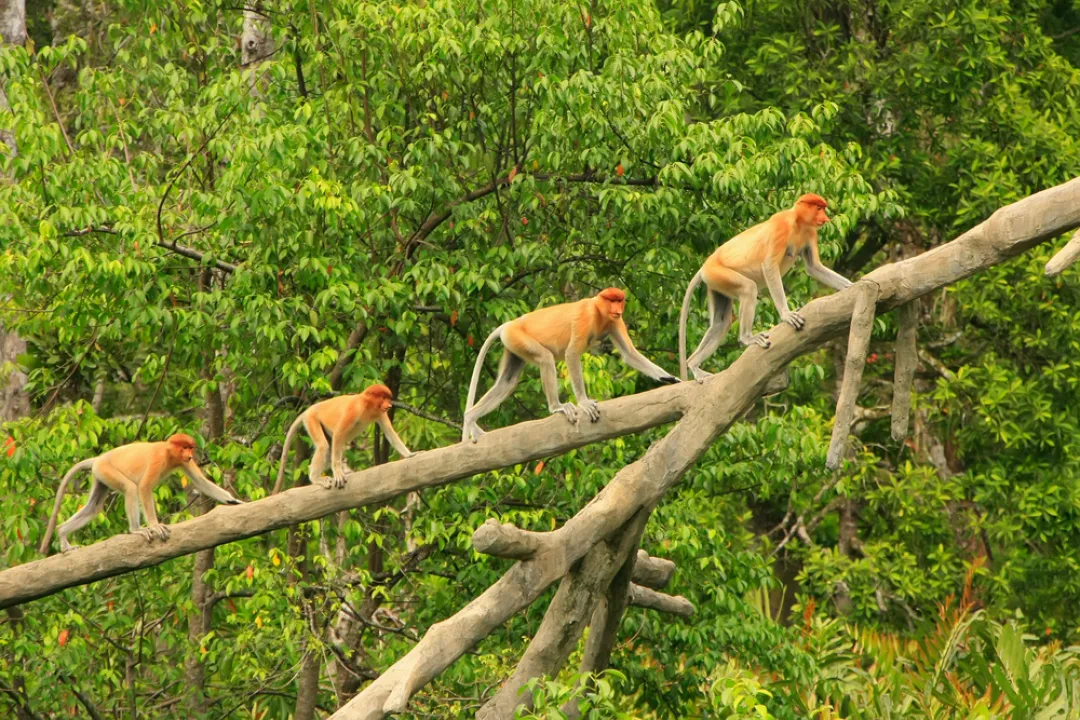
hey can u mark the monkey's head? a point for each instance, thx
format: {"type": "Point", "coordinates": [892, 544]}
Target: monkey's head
{"type": "Point", "coordinates": [810, 210]}
{"type": "Point", "coordinates": [183, 447]}
{"type": "Point", "coordinates": [612, 302]}
{"type": "Point", "coordinates": [380, 396]}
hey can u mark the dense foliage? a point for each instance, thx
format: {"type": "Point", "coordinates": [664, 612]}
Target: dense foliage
{"type": "Point", "coordinates": [196, 242]}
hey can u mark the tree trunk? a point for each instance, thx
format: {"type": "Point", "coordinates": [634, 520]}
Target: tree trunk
{"type": "Point", "coordinates": [199, 620]}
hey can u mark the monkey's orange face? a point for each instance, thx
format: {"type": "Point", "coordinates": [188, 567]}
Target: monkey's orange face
{"type": "Point", "coordinates": [184, 453]}
{"type": "Point", "coordinates": [615, 308]}
{"type": "Point", "coordinates": [386, 404]}
{"type": "Point", "coordinates": [812, 214]}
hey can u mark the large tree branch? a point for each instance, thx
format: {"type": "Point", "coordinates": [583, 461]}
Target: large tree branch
{"type": "Point", "coordinates": [717, 403]}
{"type": "Point", "coordinates": [714, 407]}
{"type": "Point", "coordinates": [499, 448]}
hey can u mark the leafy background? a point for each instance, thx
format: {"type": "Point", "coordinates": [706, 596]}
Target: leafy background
{"type": "Point", "coordinates": [382, 184]}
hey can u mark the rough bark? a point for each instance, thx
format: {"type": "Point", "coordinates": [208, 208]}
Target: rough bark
{"type": "Point", "coordinates": [651, 571]}
{"type": "Point", "coordinates": [255, 42]}
{"type": "Point", "coordinates": [708, 409]}
{"type": "Point", "coordinates": [907, 360]}
{"type": "Point", "coordinates": [862, 323]}
{"type": "Point", "coordinates": [565, 619]}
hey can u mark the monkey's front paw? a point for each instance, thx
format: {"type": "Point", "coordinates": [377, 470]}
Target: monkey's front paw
{"type": "Point", "coordinates": [795, 320]}
{"type": "Point", "coordinates": [569, 410]}
{"type": "Point", "coordinates": [234, 501]}
{"type": "Point", "coordinates": [408, 455]}
{"type": "Point", "coordinates": [326, 481]}
{"type": "Point", "coordinates": [340, 480]}
{"type": "Point", "coordinates": [68, 547]}
{"type": "Point", "coordinates": [668, 380]}
{"type": "Point", "coordinates": [590, 408]}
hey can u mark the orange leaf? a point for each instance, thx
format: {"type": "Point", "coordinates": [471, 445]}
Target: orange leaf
{"type": "Point", "coordinates": [250, 572]}
{"type": "Point", "coordinates": [63, 638]}
{"type": "Point", "coordinates": [469, 340]}
{"type": "Point", "coordinates": [10, 445]}
{"type": "Point", "coordinates": [619, 170]}
{"type": "Point", "coordinates": [539, 468]}
{"type": "Point", "coordinates": [513, 173]}
{"type": "Point", "coordinates": [453, 318]}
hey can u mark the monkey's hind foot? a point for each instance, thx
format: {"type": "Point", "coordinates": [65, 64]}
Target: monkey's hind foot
{"type": "Point", "coordinates": [590, 408]}
{"type": "Point", "coordinates": [159, 531]}
{"type": "Point", "coordinates": [66, 547]}
{"type": "Point", "coordinates": [569, 410]}
{"type": "Point", "coordinates": [472, 432]}
{"type": "Point", "coordinates": [700, 375]}
{"type": "Point", "coordinates": [795, 320]}
{"type": "Point", "coordinates": [761, 339]}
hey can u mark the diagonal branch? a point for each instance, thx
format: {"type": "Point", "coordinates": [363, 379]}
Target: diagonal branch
{"type": "Point", "coordinates": [713, 408]}
{"type": "Point", "coordinates": [708, 410]}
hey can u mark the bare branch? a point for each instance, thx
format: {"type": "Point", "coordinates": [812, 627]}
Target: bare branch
{"type": "Point", "coordinates": [673, 604]}
{"type": "Point", "coordinates": [862, 324]}
{"type": "Point", "coordinates": [907, 359]}
{"type": "Point", "coordinates": [651, 571]}
{"type": "Point", "coordinates": [507, 541]}
{"type": "Point", "coordinates": [1065, 257]}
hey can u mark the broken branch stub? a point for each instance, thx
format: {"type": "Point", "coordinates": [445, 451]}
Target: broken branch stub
{"type": "Point", "coordinates": [1065, 257]}
{"type": "Point", "coordinates": [506, 540]}
{"type": "Point", "coordinates": [651, 571]}
{"type": "Point", "coordinates": [673, 604]}
{"type": "Point", "coordinates": [862, 323]}
{"type": "Point", "coordinates": [907, 359]}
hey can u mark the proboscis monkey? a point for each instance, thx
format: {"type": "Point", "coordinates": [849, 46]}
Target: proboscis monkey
{"type": "Point", "coordinates": [556, 333]}
{"type": "Point", "coordinates": [134, 470]}
{"type": "Point", "coordinates": [344, 418]}
{"type": "Point", "coordinates": [755, 257]}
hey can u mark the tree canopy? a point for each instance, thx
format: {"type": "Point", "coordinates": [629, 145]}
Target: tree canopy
{"type": "Point", "coordinates": [212, 216]}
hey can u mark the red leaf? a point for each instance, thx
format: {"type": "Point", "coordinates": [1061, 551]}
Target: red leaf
{"type": "Point", "coordinates": [63, 638]}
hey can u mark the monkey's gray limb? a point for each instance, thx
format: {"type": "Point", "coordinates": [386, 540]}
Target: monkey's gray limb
{"type": "Point", "coordinates": [907, 359]}
{"type": "Point", "coordinates": [862, 323]}
{"type": "Point", "coordinates": [1065, 257]}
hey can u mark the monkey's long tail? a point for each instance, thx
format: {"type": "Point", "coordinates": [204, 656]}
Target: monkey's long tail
{"type": "Point", "coordinates": [285, 453]}
{"type": "Point", "coordinates": [683, 313]}
{"type": "Point", "coordinates": [496, 333]}
{"type": "Point", "coordinates": [47, 540]}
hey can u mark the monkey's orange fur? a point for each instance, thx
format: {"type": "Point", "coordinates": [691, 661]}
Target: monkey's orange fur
{"type": "Point", "coordinates": [545, 336]}
{"type": "Point", "coordinates": [344, 417]}
{"type": "Point", "coordinates": [134, 470]}
{"type": "Point", "coordinates": [756, 257]}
